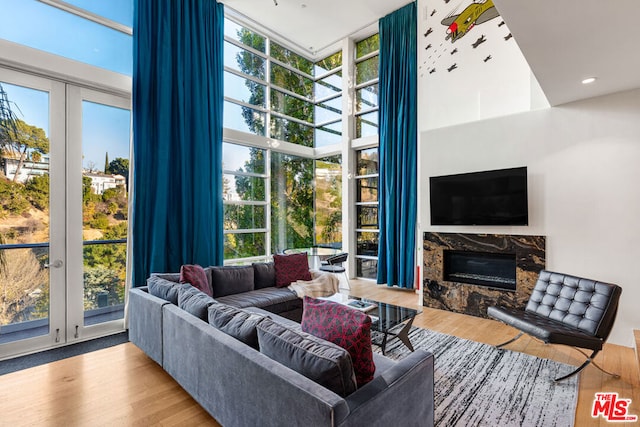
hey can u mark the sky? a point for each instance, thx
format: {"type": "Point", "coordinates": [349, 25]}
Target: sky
{"type": "Point", "coordinates": [35, 24]}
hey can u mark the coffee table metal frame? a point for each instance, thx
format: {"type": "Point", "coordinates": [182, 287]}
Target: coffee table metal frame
{"type": "Point", "coordinates": [391, 320]}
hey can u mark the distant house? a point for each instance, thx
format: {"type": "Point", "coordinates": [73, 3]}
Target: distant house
{"type": "Point", "coordinates": [101, 182]}
{"type": "Point", "coordinates": [29, 168]}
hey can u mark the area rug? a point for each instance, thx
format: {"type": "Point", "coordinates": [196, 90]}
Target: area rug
{"type": "Point", "coordinates": [479, 385]}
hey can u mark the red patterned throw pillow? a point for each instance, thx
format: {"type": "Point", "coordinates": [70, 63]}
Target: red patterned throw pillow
{"type": "Point", "coordinates": [345, 327]}
{"type": "Point", "coordinates": [290, 268]}
{"type": "Point", "coordinates": [196, 276]}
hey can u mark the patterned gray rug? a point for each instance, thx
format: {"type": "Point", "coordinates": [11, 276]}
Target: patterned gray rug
{"type": "Point", "coordinates": [478, 385]}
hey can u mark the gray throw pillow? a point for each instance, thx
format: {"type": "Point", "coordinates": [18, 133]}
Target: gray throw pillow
{"type": "Point", "coordinates": [231, 280]}
{"type": "Point", "coordinates": [194, 301]}
{"type": "Point", "coordinates": [264, 275]}
{"type": "Point", "coordinates": [235, 322]}
{"type": "Point", "coordinates": [317, 359]}
{"type": "Point", "coordinates": [165, 289]}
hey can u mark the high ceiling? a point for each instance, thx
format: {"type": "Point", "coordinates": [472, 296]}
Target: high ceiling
{"type": "Point", "coordinates": [563, 41]}
{"type": "Point", "coordinates": [315, 26]}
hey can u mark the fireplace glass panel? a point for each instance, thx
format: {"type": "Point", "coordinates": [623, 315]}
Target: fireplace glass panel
{"type": "Point", "coordinates": [494, 270]}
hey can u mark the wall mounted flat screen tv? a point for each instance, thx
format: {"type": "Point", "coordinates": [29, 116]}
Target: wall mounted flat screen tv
{"type": "Point", "coordinates": [497, 197]}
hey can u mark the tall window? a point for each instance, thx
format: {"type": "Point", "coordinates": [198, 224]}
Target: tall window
{"type": "Point", "coordinates": [367, 232]}
{"type": "Point", "coordinates": [273, 92]}
{"type": "Point", "coordinates": [366, 199]}
{"type": "Point", "coordinates": [366, 101]}
{"type": "Point", "coordinates": [328, 101]}
{"type": "Point", "coordinates": [328, 201]}
{"type": "Point", "coordinates": [245, 201]}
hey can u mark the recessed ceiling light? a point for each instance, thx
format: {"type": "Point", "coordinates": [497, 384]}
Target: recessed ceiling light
{"type": "Point", "coordinates": [588, 80]}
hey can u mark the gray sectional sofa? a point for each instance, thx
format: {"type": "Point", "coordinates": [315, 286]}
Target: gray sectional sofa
{"type": "Point", "coordinates": [239, 385]}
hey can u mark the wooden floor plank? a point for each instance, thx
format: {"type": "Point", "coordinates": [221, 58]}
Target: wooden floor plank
{"type": "Point", "coordinates": [121, 386]}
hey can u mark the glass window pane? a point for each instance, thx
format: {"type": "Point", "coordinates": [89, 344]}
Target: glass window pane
{"type": "Point", "coordinates": [329, 63]}
{"type": "Point", "coordinates": [330, 85]}
{"type": "Point", "coordinates": [24, 212]}
{"type": "Point", "coordinates": [25, 286]}
{"type": "Point", "coordinates": [244, 35]}
{"type": "Point", "coordinates": [243, 159]}
{"type": "Point", "coordinates": [243, 118]}
{"type": "Point", "coordinates": [291, 202]}
{"type": "Point", "coordinates": [120, 11]}
{"type": "Point", "coordinates": [105, 151]}
{"type": "Point", "coordinates": [367, 217]}
{"type": "Point", "coordinates": [243, 217]}
{"type": "Point", "coordinates": [367, 243]}
{"type": "Point", "coordinates": [244, 245]}
{"type": "Point", "coordinates": [367, 161]}
{"type": "Point", "coordinates": [329, 110]}
{"type": "Point", "coordinates": [40, 26]}
{"type": "Point", "coordinates": [328, 201]}
{"type": "Point", "coordinates": [291, 106]}
{"type": "Point", "coordinates": [237, 187]}
{"type": "Point", "coordinates": [367, 268]}
{"type": "Point", "coordinates": [104, 281]}
{"type": "Point", "coordinates": [292, 81]}
{"type": "Point", "coordinates": [367, 98]}
{"type": "Point", "coordinates": [244, 90]}
{"type": "Point", "coordinates": [291, 131]}
{"type": "Point", "coordinates": [367, 189]}
{"type": "Point", "coordinates": [329, 134]}
{"type": "Point", "coordinates": [367, 124]}
{"type": "Point", "coordinates": [294, 60]}
{"type": "Point", "coordinates": [367, 70]}
{"type": "Point", "coordinates": [367, 45]}
{"type": "Point", "coordinates": [242, 60]}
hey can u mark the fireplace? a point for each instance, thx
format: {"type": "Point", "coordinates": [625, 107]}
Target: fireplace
{"type": "Point", "coordinates": [467, 273]}
{"type": "Point", "coordinates": [493, 270]}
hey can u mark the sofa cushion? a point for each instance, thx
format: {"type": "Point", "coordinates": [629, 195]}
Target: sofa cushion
{"type": "Point", "coordinates": [264, 275]}
{"type": "Point", "coordinates": [317, 359]}
{"type": "Point", "coordinates": [229, 280]}
{"type": "Point", "coordinates": [344, 326]}
{"type": "Point", "coordinates": [195, 274]}
{"type": "Point", "coordinates": [194, 301]}
{"type": "Point", "coordinates": [236, 322]}
{"type": "Point", "coordinates": [290, 268]}
{"type": "Point", "coordinates": [165, 289]}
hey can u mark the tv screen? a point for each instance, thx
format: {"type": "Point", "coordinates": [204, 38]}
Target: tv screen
{"type": "Point", "coordinates": [497, 197]}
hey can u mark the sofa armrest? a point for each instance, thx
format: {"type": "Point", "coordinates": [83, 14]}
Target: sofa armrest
{"type": "Point", "coordinates": [407, 387]}
{"type": "Point", "coordinates": [145, 322]}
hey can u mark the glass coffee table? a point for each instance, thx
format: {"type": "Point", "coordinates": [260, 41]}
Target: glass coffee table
{"type": "Point", "coordinates": [392, 321]}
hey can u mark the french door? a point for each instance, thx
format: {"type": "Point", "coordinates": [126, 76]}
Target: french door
{"type": "Point", "coordinates": [63, 212]}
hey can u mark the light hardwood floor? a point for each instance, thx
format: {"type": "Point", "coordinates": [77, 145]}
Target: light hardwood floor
{"type": "Point", "coordinates": [122, 386]}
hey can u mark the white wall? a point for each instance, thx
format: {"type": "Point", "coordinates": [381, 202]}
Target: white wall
{"type": "Point", "coordinates": [583, 163]}
{"type": "Point", "coordinates": [489, 80]}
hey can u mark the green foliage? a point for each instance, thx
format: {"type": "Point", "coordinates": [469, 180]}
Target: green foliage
{"type": "Point", "coordinates": [13, 200]}
{"type": "Point", "coordinates": [37, 191]}
{"type": "Point", "coordinates": [87, 193]}
{"type": "Point", "coordinates": [368, 45]}
{"type": "Point", "coordinates": [100, 221]}
{"type": "Point", "coordinates": [102, 280]}
{"type": "Point", "coordinates": [106, 163]}
{"type": "Point", "coordinates": [119, 166]}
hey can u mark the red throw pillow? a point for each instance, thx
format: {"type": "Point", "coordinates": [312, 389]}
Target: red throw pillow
{"type": "Point", "coordinates": [344, 326]}
{"type": "Point", "coordinates": [290, 268]}
{"type": "Point", "coordinates": [195, 275]}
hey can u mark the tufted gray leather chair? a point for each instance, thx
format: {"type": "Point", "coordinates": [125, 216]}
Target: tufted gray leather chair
{"type": "Point", "coordinates": [564, 309]}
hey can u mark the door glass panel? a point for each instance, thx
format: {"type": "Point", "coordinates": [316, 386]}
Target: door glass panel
{"type": "Point", "coordinates": [105, 174]}
{"type": "Point", "coordinates": [24, 212]}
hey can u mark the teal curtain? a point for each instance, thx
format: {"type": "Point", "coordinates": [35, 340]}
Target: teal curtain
{"type": "Point", "coordinates": [398, 148]}
{"type": "Point", "coordinates": [177, 135]}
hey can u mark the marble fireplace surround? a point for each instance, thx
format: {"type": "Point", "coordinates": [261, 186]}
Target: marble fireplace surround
{"type": "Point", "coordinates": [473, 299]}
